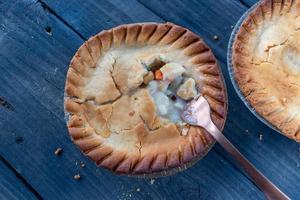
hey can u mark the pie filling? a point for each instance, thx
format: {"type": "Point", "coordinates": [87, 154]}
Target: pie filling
{"type": "Point", "coordinates": [170, 90]}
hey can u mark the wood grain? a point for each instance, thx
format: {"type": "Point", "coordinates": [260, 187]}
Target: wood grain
{"type": "Point", "coordinates": [90, 17]}
{"type": "Point", "coordinates": [33, 63]}
{"type": "Point", "coordinates": [248, 3]}
{"type": "Point", "coordinates": [11, 186]}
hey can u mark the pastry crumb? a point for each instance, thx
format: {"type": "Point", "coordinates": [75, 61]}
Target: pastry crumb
{"type": "Point", "coordinates": [184, 131]}
{"type": "Point", "coordinates": [48, 30]}
{"type": "Point", "coordinates": [283, 101]}
{"type": "Point", "coordinates": [77, 176]}
{"type": "Point", "coordinates": [247, 78]}
{"type": "Point", "coordinates": [58, 151]}
{"type": "Point", "coordinates": [138, 189]}
{"type": "Point", "coordinates": [79, 163]}
{"type": "Point", "coordinates": [152, 181]}
{"type": "Point", "coordinates": [260, 137]}
{"type": "Point", "coordinates": [19, 139]}
{"type": "Point", "coordinates": [131, 113]}
{"type": "Point", "coordinates": [216, 37]}
{"type": "Point", "coordinates": [247, 131]}
{"type": "Point", "coordinates": [231, 26]}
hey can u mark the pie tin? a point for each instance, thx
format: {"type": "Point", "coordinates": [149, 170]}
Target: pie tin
{"type": "Point", "coordinates": [231, 69]}
{"type": "Point", "coordinates": [174, 170]}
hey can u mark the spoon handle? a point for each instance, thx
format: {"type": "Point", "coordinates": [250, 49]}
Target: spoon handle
{"type": "Point", "coordinates": [265, 185]}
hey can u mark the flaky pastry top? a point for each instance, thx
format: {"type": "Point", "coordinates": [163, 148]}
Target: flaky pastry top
{"type": "Point", "coordinates": [266, 60]}
{"type": "Point", "coordinates": [113, 116]}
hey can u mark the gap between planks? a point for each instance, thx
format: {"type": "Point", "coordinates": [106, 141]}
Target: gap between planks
{"type": "Point", "coordinates": [48, 9]}
{"type": "Point", "coordinates": [244, 3]}
{"type": "Point", "coordinates": [231, 162]}
{"type": "Point", "coordinates": [20, 177]}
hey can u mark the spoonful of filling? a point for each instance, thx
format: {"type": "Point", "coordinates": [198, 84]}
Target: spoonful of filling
{"type": "Point", "coordinates": [170, 87]}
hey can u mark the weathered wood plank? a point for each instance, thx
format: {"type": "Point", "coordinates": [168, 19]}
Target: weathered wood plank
{"type": "Point", "coordinates": [216, 18]}
{"type": "Point", "coordinates": [90, 17]}
{"type": "Point", "coordinates": [248, 3]}
{"type": "Point", "coordinates": [32, 85]}
{"type": "Point", "coordinates": [31, 81]}
{"type": "Point", "coordinates": [12, 187]}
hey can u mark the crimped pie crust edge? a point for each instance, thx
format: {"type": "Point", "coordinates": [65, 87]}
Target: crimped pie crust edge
{"type": "Point", "coordinates": [143, 34]}
{"type": "Point", "coordinates": [241, 62]}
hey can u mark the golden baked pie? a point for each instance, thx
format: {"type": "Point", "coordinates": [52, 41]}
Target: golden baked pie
{"type": "Point", "coordinates": [125, 90]}
{"type": "Point", "coordinates": [266, 60]}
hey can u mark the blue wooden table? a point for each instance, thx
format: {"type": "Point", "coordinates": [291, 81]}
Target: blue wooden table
{"type": "Point", "coordinates": [37, 40]}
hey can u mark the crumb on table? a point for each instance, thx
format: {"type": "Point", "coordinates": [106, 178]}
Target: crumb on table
{"type": "Point", "coordinates": [77, 176]}
{"type": "Point", "coordinates": [19, 139]}
{"type": "Point", "coordinates": [152, 181]}
{"type": "Point", "coordinates": [58, 151]}
{"type": "Point", "coordinates": [48, 30]}
{"type": "Point", "coordinates": [260, 137]}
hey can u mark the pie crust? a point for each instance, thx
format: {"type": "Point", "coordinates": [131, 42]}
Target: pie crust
{"type": "Point", "coordinates": [114, 121]}
{"type": "Point", "coordinates": [266, 62]}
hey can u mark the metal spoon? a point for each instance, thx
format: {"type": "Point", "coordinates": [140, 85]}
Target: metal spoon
{"type": "Point", "coordinates": [197, 113]}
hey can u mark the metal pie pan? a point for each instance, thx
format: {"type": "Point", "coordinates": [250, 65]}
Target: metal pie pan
{"type": "Point", "coordinates": [231, 69]}
{"type": "Point", "coordinates": [180, 168]}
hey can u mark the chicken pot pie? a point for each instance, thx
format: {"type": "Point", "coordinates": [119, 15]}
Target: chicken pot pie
{"type": "Point", "coordinates": [266, 61]}
{"type": "Point", "coordinates": [125, 90]}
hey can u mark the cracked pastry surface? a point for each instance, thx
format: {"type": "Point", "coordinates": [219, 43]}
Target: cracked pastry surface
{"type": "Point", "coordinates": [266, 60]}
{"type": "Point", "coordinates": [125, 90]}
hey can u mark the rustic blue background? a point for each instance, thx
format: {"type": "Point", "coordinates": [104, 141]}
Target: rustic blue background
{"type": "Point", "coordinates": [37, 41]}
